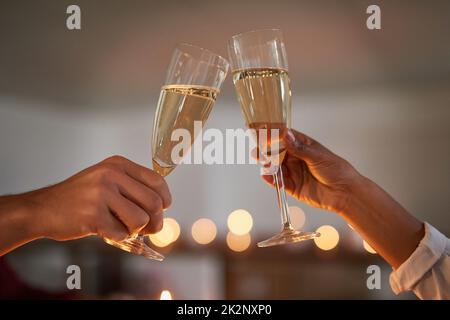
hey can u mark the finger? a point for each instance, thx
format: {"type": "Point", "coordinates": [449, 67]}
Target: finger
{"type": "Point", "coordinates": [269, 179]}
{"type": "Point", "coordinates": [287, 171]}
{"type": "Point", "coordinates": [147, 177]}
{"type": "Point", "coordinates": [112, 228]}
{"type": "Point", "coordinates": [289, 179]}
{"type": "Point", "coordinates": [143, 196]}
{"type": "Point", "coordinates": [295, 180]}
{"type": "Point", "coordinates": [304, 147]}
{"type": "Point", "coordinates": [155, 224]}
{"type": "Point", "coordinates": [130, 214]}
{"type": "Point", "coordinates": [289, 182]}
{"type": "Point", "coordinates": [146, 199]}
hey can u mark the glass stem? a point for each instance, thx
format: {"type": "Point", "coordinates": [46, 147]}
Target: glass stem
{"type": "Point", "coordinates": [282, 200]}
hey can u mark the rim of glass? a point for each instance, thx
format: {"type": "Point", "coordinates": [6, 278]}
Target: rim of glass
{"type": "Point", "coordinates": [222, 61]}
{"type": "Point", "coordinates": [254, 31]}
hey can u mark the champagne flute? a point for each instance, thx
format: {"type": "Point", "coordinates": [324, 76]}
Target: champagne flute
{"type": "Point", "coordinates": [260, 76]}
{"type": "Point", "coordinates": [192, 84]}
{"type": "Point", "coordinates": [193, 81]}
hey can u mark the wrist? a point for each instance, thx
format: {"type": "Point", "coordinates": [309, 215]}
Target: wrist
{"type": "Point", "coordinates": [391, 230]}
{"type": "Point", "coordinates": [359, 188]}
{"type": "Point", "coordinates": [16, 222]}
{"type": "Point", "coordinates": [30, 214]}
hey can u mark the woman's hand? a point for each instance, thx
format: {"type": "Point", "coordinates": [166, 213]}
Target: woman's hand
{"type": "Point", "coordinates": [315, 175]}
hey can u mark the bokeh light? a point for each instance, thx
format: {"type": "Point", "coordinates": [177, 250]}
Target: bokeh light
{"type": "Point", "coordinates": [297, 217]}
{"type": "Point", "coordinates": [240, 222]}
{"type": "Point", "coordinates": [238, 243]}
{"type": "Point", "coordinates": [165, 295]}
{"type": "Point", "coordinates": [204, 231]}
{"type": "Point", "coordinates": [368, 247]}
{"type": "Point", "coordinates": [168, 234]}
{"type": "Point", "coordinates": [173, 224]}
{"type": "Point", "coordinates": [329, 238]}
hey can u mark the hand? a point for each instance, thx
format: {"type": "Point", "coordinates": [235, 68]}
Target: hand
{"type": "Point", "coordinates": [315, 175]}
{"type": "Point", "coordinates": [114, 199]}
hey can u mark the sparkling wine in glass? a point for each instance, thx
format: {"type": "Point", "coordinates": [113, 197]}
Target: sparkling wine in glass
{"type": "Point", "coordinates": [260, 76]}
{"type": "Point", "coordinates": [178, 108]}
{"type": "Point", "coordinates": [192, 85]}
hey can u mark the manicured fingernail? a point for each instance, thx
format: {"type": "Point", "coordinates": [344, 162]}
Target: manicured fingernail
{"type": "Point", "coordinates": [290, 136]}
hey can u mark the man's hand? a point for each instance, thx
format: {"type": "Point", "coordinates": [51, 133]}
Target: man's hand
{"type": "Point", "coordinates": [114, 199]}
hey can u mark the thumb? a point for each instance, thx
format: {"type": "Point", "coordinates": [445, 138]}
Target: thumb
{"type": "Point", "coordinates": [303, 147]}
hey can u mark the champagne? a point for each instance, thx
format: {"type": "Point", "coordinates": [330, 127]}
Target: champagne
{"type": "Point", "coordinates": [265, 98]}
{"type": "Point", "coordinates": [178, 107]}
{"type": "Point", "coordinates": [264, 95]}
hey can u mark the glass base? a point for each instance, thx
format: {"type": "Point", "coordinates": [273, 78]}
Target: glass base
{"type": "Point", "coordinates": [288, 236]}
{"type": "Point", "coordinates": [136, 246]}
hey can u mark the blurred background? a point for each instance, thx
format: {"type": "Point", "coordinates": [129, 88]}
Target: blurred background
{"type": "Point", "coordinates": [380, 99]}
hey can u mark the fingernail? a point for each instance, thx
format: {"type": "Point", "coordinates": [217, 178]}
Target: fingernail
{"type": "Point", "coordinates": [290, 136]}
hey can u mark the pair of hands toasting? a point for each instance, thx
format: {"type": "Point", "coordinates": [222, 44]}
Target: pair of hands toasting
{"type": "Point", "coordinates": [117, 198]}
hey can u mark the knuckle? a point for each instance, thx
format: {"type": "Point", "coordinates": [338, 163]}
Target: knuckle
{"type": "Point", "coordinates": [115, 159]}
{"type": "Point", "coordinates": [104, 170]}
{"type": "Point", "coordinates": [98, 194]}
{"type": "Point", "coordinates": [107, 175]}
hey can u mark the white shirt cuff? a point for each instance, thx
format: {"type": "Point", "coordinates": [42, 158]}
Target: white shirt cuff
{"type": "Point", "coordinates": [428, 252]}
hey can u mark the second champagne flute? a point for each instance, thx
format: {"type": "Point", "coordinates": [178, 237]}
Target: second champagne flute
{"type": "Point", "coordinates": [260, 76]}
